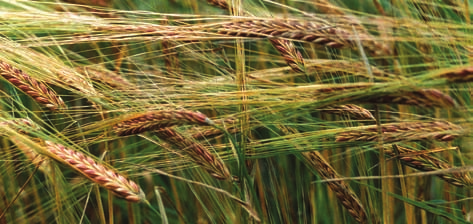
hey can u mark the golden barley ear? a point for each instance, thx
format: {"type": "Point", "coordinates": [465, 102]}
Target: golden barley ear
{"type": "Point", "coordinates": [317, 33]}
{"type": "Point", "coordinates": [406, 131]}
{"type": "Point", "coordinates": [106, 77]}
{"type": "Point", "coordinates": [103, 175]}
{"type": "Point", "coordinates": [352, 67]}
{"type": "Point", "coordinates": [209, 133]}
{"type": "Point", "coordinates": [327, 7]}
{"type": "Point", "coordinates": [148, 121]}
{"type": "Point", "coordinates": [342, 190]}
{"type": "Point", "coordinates": [202, 132]}
{"type": "Point", "coordinates": [78, 82]}
{"type": "Point", "coordinates": [25, 126]}
{"type": "Point", "coordinates": [423, 160]}
{"type": "Point", "coordinates": [352, 110]}
{"type": "Point", "coordinates": [37, 159]}
{"type": "Point", "coordinates": [421, 98]}
{"type": "Point", "coordinates": [34, 88]}
{"type": "Point", "coordinates": [198, 152]}
{"type": "Point", "coordinates": [103, 3]}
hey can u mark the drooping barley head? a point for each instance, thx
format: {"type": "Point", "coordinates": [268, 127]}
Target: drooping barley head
{"type": "Point", "coordinates": [32, 87]}
{"type": "Point", "coordinates": [342, 190]}
{"type": "Point", "coordinates": [406, 131]}
{"type": "Point", "coordinates": [423, 160]}
{"type": "Point", "coordinates": [199, 153]}
{"type": "Point", "coordinates": [96, 172]}
{"type": "Point", "coordinates": [154, 120]}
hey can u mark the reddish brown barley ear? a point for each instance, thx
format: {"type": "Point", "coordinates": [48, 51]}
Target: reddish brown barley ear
{"type": "Point", "coordinates": [154, 120]}
{"type": "Point", "coordinates": [31, 87]}
{"type": "Point", "coordinates": [424, 160]}
{"type": "Point", "coordinates": [342, 190]}
{"type": "Point", "coordinates": [96, 172]}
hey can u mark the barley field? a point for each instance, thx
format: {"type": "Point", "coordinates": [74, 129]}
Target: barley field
{"type": "Point", "coordinates": [254, 111]}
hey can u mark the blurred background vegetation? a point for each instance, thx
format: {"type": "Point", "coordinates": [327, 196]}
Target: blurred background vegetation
{"type": "Point", "coordinates": [302, 93]}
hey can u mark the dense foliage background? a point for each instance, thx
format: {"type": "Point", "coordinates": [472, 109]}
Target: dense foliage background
{"type": "Point", "coordinates": [325, 111]}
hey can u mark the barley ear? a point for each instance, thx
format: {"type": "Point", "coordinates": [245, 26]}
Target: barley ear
{"type": "Point", "coordinates": [318, 33]}
{"type": "Point", "coordinates": [24, 126]}
{"type": "Point", "coordinates": [423, 160]}
{"type": "Point", "coordinates": [286, 48]}
{"type": "Point", "coordinates": [342, 190]}
{"type": "Point", "coordinates": [103, 3]}
{"type": "Point", "coordinates": [352, 110]}
{"type": "Point", "coordinates": [219, 3]}
{"type": "Point", "coordinates": [291, 55]}
{"type": "Point", "coordinates": [229, 123]}
{"type": "Point", "coordinates": [154, 120]}
{"type": "Point", "coordinates": [37, 159]}
{"type": "Point", "coordinates": [421, 98]}
{"type": "Point", "coordinates": [457, 75]}
{"type": "Point", "coordinates": [32, 87]}
{"type": "Point", "coordinates": [406, 131]}
{"type": "Point", "coordinates": [96, 172]}
{"type": "Point", "coordinates": [198, 152]}
{"type": "Point", "coordinates": [104, 76]}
